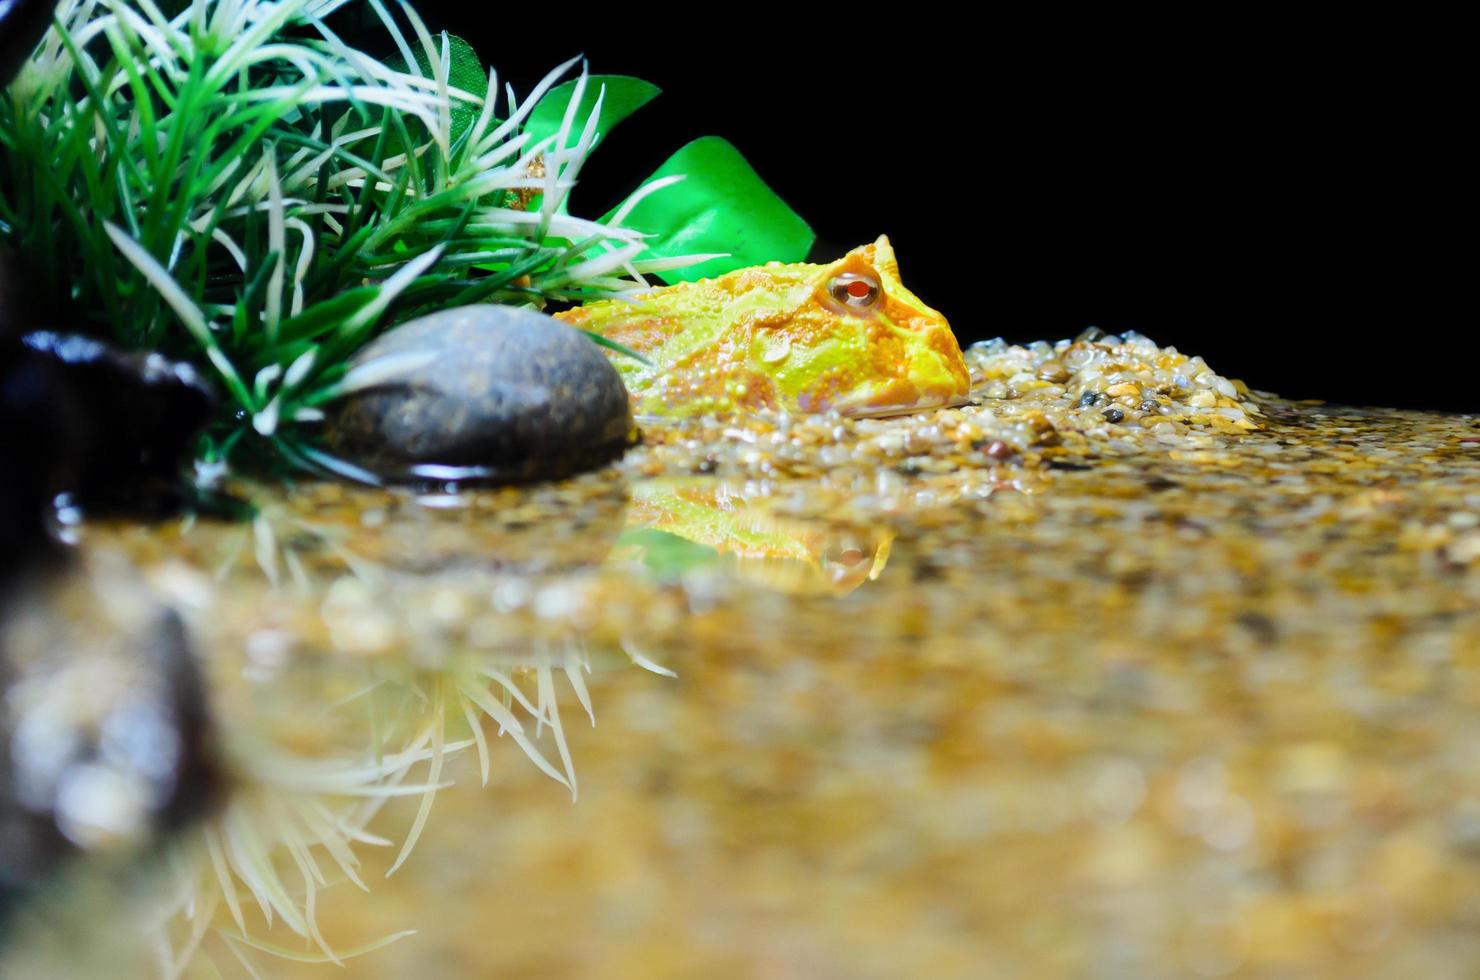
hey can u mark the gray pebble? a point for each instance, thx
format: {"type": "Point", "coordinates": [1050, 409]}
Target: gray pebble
{"type": "Point", "coordinates": [505, 395]}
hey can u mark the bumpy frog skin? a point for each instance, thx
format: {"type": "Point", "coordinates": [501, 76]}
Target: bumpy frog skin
{"type": "Point", "coordinates": [800, 338]}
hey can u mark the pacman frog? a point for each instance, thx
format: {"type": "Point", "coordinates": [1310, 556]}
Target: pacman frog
{"type": "Point", "coordinates": [799, 338]}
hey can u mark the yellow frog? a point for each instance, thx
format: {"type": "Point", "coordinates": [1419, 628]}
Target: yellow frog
{"type": "Point", "coordinates": [800, 338]}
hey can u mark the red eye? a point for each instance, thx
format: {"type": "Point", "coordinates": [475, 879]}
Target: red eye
{"type": "Point", "coordinates": [854, 290]}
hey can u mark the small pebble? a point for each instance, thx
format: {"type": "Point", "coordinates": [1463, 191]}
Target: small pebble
{"type": "Point", "coordinates": [1113, 415]}
{"type": "Point", "coordinates": [1053, 372]}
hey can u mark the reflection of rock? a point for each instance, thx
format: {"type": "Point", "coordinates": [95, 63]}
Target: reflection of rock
{"type": "Point", "coordinates": [444, 539]}
{"type": "Point", "coordinates": [103, 730]}
{"type": "Point", "coordinates": [484, 393]}
{"type": "Point", "coordinates": [676, 525]}
{"type": "Point", "coordinates": [328, 530]}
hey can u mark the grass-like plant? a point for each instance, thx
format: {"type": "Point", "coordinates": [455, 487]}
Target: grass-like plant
{"type": "Point", "coordinates": [232, 182]}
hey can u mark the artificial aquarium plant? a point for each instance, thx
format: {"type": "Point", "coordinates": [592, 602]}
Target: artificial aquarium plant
{"type": "Point", "coordinates": [235, 183]}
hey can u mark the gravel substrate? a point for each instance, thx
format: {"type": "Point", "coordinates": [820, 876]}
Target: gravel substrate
{"type": "Point", "coordinates": [1119, 670]}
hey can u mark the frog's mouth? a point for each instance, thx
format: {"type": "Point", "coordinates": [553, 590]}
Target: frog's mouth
{"type": "Point", "coordinates": [853, 412]}
{"type": "Point", "coordinates": [889, 411]}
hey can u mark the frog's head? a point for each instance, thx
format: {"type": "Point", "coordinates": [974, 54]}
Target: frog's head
{"type": "Point", "coordinates": [855, 339]}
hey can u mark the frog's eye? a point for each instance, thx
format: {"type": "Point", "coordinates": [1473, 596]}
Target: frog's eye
{"type": "Point", "coordinates": [854, 290]}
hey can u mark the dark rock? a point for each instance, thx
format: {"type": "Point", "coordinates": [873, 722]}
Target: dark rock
{"type": "Point", "coordinates": [40, 439]}
{"type": "Point", "coordinates": [508, 395]}
{"type": "Point", "coordinates": [111, 430]}
{"type": "Point", "coordinates": [138, 416]}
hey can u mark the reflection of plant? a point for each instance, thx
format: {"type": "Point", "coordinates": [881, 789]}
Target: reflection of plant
{"type": "Point", "coordinates": [229, 181]}
{"type": "Point", "coordinates": [305, 815]}
{"type": "Point", "coordinates": [291, 828]}
{"type": "Point", "coordinates": [296, 825]}
{"type": "Point", "coordinates": [490, 689]}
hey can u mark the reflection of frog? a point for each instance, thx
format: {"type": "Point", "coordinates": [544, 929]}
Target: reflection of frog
{"type": "Point", "coordinates": [676, 525]}
{"type": "Point", "coordinates": [799, 338]}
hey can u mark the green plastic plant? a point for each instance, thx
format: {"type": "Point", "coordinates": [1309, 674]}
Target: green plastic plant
{"type": "Point", "coordinates": [231, 182]}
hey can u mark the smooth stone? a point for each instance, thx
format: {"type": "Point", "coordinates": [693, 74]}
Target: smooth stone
{"type": "Point", "coordinates": [38, 441]}
{"type": "Point", "coordinates": [112, 430]}
{"type": "Point", "coordinates": [1053, 372]}
{"type": "Point", "coordinates": [508, 395]}
{"type": "Point", "coordinates": [136, 419]}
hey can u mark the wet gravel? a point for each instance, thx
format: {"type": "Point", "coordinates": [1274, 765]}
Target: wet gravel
{"type": "Point", "coordinates": [1012, 689]}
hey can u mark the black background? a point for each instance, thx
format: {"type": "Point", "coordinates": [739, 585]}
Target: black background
{"type": "Point", "coordinates": [1281, 198]}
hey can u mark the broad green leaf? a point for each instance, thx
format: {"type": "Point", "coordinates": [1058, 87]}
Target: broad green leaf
{"type": "Point", "coordinates": [624, 96]}
{"type": "Point", "coordinates": [465, 72]}
{"type": "Point", "coordinates": [721, 205]}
